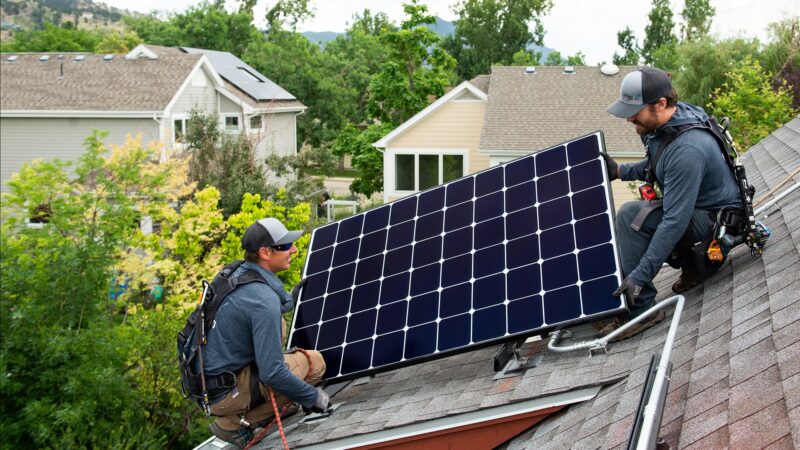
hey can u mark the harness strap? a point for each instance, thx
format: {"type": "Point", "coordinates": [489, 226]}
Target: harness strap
{"type": "Point", "coordinates": [643, 213]}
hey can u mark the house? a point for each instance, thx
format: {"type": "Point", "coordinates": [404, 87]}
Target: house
{"type": "Point", "coordinates": [494, 118]}
{"type": "Point", "coordinates": [734, 378]}
{"type": "Point", "coordinates": [50, 103]}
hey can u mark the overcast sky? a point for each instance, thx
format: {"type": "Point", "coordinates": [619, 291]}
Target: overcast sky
{"type": "Point", "coordinates": [589, 26]}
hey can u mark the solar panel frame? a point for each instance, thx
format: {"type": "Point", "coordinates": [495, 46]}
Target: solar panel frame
{"type": "Point", "coordinates": [378, 289]}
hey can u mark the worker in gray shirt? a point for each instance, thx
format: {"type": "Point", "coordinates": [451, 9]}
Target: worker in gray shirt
{"type": "Point", "coordinates": [246, 339]}
{"type": "Point", "coordinates": [693, 178]}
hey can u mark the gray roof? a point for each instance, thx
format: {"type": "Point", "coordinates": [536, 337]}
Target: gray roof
{"type": "Point", "coordinates": [736, 361]}
{"type": "Point", "coordinates": [243, 76]}
{"type": "Point", "coordinates": [93, 84]}
{"type": "Point", "coordinates": [538, 110]}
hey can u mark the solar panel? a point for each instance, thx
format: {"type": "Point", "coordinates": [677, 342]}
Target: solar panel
{"type": "Point", "coordinates": [500, 254]}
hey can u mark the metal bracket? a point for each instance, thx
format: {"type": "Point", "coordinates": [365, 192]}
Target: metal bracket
{"type": "Point", "coordinates": [599, 346]}
{"type": "Point", "coordinates": [316, 417]}
{"type": "Point", "coordinates": [509, 363]}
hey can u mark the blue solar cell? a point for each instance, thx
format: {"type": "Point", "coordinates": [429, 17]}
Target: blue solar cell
{"type": "Point", "coordinates": [455, 332]}
{"type": "Point", "coordinates": [427, 252]}
{"type": "Point", "coordinates": [521, 223]}
{"type": "Point", "coordinates": [554, 213]}
{"type": "Point", "coordinates": [429, 226]}
{"type": "Point", "coordinates": [562, 305]}
{"type": "Point", "coordinates": [365, 296]}
{"type": "Point", "coordinates": [361, 325]}
{"type": "Point", "coordinates": [489, 291]}
{"type": "Point", "coordinates": [331, 333]}
{"type": "Point", "coordinates": [585, 176]}
{"type": "Point", "coordinates": [592, 231]}
{"type": "Point", "coordinates": [333, 358]}
{"type": "Point", "coordinates": [519, 171]}
{"type": "Point", "coordinates": [557, 241]}
{"type": "Point", "coordinates": [457, 243]}
{"type": "Point", "coordinates": [489, 206]}
{"type": "Point", "coordinates": [460, 191]}
{"type": "Point", "coordinates": [397, 261]}
{"type": "Point", "coordinates": [430, 201]}
{"type": "Point", "coordinates": [489, 323]}
{"type": "Point", "coordinates": [455, 300]}
{"type": "Point", "coordinates": [369, 269]}
{"type": "Point", "coordinates": [589, 202]}
{"type": "Point", "coordinates": [421, 340]}
{"type": "Point", "coordinates": [316, 285]}
{"type": "Point", "coordinates": [400, 235]}
{"type": "Point", "coordinates": [489, 233]}
{"type": "Point", "coordinates": [372, 244]}
{"type": "Point", "coordinates": [425, 279]}
{"type": "Point", "coordinates": [552, 186]}
{"type": "Point", "coordinates": [596, 262]}
{"type": "Point", "coordinates": [324, 236]}
{"type": "Point", "coordinates": [336, 305]}
{"type": "Point", "coordinates": [395, 288]}
{"type": "Point", "coordinates": [522, 251]}
{"type": "Point", "coordinates": [309, 312]}
{"type": "Point", "coordinates": [520, 196]}
{"type": "Point", "coordinates": [599, 291]}
{"type": "Point", "coordinates": [319, 261]}
{"type": "Point", "coordinates": [403, 210]}
{"type": "Point", "coordinates": [350, 228]}
{"type": "Point", "coordinates": [458, 216]}
{"type": "Point", "coordinates": [392, 317]}
{"type": "Point", "coordinates": [489, 181]}
{"type": "Point", "coordinates": [376, 219]}
{"type": "Point", "coordinates": [342, 277]}
{"type": "Point", "coordinates": [525, 314]}
{"type": "Point", "coordinates": [582, 150]}
{"type": "Point", "coordinates": [307, 334]}
{"type": "Point", "coordinates": [523, 282]}
{"type": "Point", "coordinates": [559, 272]}
{"type": "Point", "coordinates": [489, 260]}
{"type": "Point", "coordinates": [391, 348]}
{"type": "Point", "coordinates": [345, 252]}
{"type": "Point", "coordinates": [423, 308]}
{"type": "Point", "coordinates": [551, 161]}
{"type": "Point", "coordinates": [357, 356]}
{"type": "Point", "coordinates": [456, 270]}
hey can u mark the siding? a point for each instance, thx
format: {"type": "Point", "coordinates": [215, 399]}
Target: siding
{"type": "Point", "coordinates": [227, 106]}
{"type": "Point", "coordinates": [277, 136]}
{"type": "Point", "coordinates": [25, 139]}
{"type": "Point", "coordinates": [203, 98]}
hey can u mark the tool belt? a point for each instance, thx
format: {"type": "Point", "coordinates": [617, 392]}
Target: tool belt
{"type": "Point", "coordinates": [217, 385]}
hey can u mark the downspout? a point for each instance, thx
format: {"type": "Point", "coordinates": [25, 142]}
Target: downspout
{"type": "Point", "coordinates": [296, 150]}
{"type": "Point", "coordinates": [163, 157]}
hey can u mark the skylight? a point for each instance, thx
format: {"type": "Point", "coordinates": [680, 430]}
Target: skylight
{"type": "Point", "coordinates": [250, 75]}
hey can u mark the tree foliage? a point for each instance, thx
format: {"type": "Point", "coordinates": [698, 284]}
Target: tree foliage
{"type": "Point", "coordinates": [554, 58]}
{"type": "Point", "coordinates": [632, 52]}
{"type": "Point", "coordinates": [781, 56]}
{"type": "Point", "coordinates": [697, 16]}
{"type": "Point", "coordinates": [491, 31]}
{"type": "Point", "coordinates": [659, 40]}
{"type": "Point", "coordinates": [367, 159]}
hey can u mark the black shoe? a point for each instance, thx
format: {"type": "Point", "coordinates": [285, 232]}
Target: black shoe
{"type": "Point", "coordinates": [687, 281]}
{"type": "Point", "coordinates": [240, 438]}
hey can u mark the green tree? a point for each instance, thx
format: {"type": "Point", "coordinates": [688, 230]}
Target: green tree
{"type": "Point", "coordinates": [627, 40]}
{"type": "Point", "coordinates": [367, 159]}
{"type": "Point", "coordinates": [491, 31]}
{"type": "Point", "coordinates": [660, 40]}
{"type": "Point", "coordinates": [415, 70]}
{"type": "Point", "coordinates": [755, 109]}
{"type": "Point", "coordinates": [554, 58]}
{"type": "Point", "coordinates": [781, 56]}
{"type": "Point", "coordinates": [697, 16]}
{"type": "Point", "coordinates": [114, 42]}
{"type": "Point", "coordinates": [52, 38]}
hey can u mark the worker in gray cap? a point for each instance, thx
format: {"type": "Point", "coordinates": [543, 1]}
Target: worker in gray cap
{"type": "Point", "coordinates": [685, 162]}
{"type": "Point", "coordinates": [247, 336]}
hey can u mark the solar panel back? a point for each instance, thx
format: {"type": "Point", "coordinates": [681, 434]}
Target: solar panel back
{"type": "Point", "coordinates": [501, 254]}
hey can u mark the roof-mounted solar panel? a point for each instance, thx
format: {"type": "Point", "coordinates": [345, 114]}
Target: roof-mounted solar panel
{"type": "Point", "coordinates": [512, 251]}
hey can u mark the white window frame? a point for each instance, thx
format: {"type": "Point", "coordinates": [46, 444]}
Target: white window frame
{"type": "Point", "coordinates": [250, 122]}
{"type": "Point", "coordinates": [224, 126]}
{"type": "Point", "coordinates": [184, 118]}
{"type": "Point", "coordinates": [389, 173]}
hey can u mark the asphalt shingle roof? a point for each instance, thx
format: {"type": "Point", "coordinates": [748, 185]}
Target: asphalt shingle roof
{"type": "Point", "coordinates": [93, 84]}
{"type": "Point", "coordinates": [543, 109]}
{"type": "Point", "coordinates": [736, 360]}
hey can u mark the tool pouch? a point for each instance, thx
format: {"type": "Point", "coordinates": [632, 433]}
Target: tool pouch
{"type": "Point", "coordinates": [703, 266]}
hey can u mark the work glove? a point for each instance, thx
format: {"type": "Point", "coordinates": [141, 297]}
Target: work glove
{"type": "Point", "coordinates": [296, 290]}
{"type": "Point", "coordinates": [322, 404]}
{"type": "Point", "coordinates": [611, 166]}
{"type": "Point", "coordinates": [630, 289]}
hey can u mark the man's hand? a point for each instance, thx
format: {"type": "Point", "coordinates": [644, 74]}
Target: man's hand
{"type": "Point", "coordinates": [296, 290]}
{"type": "Point", "coordinates": [630, 289]}
{"type": "Point", "coordinates": [323, 401]}
{"type": "Point", "coordinates": [611, 166]}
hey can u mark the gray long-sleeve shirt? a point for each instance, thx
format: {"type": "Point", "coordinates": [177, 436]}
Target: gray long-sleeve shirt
{"type": "Point", "coordinates": [248, 329]}
{"type": "Point", "coordinates": [692, 174]}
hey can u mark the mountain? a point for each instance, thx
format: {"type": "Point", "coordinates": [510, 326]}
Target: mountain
{"type": "Point", "coordinates": [441, 27]}
{"type": "Point", "coordinates": [31, 14]}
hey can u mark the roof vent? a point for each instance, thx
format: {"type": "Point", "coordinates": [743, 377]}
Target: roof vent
{"type": "Point", "coordinates": [108, 57]}
{"type": "Point", "coordinates": [569, 69]}
{"type": "Point", "coordinates": [79, 58]}
{"type": "Point", "coordinates": [530, 69]}
{"type": "Point", "coordinates": [609, 69]}
{"type": "Point", "coordinates": [44, 58]}
{"type": "Point", "coordinates": [60, 56]}
{"type": "Point", "coordinates": [12, 58]}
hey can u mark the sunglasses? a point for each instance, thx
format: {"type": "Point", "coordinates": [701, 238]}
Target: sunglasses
{"type": "Point", "coordinates": [282, 247]}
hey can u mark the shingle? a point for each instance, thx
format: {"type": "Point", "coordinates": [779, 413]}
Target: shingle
{"type": "Point", "coordinates": [766, 385]}
{"type": "Point", "coordinates": [766, 426]}
{"type": "Point", "coordinates": [706, 399]}
{"type": "Point", "coordinates": [704, 424]}
{"type": "Point", "coordinates": [717, 439]}
{"type": "Point", "coordinates": [789, 360]}
{"type": "Point", "coordinates": [752, 360]}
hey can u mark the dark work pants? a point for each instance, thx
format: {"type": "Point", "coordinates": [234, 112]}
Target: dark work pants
{"type": "Point", "coordinates": [633, 244]}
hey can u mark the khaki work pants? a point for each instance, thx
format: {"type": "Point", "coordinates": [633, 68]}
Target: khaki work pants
{"type": "Point", "coordinates": [236, 404]}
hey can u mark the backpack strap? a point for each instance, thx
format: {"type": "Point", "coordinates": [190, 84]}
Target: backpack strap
{"type": "Point", "coordinates": [668, 135]}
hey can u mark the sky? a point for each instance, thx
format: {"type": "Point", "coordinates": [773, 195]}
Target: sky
{"type": "Point", "coordinates": [589, 26]}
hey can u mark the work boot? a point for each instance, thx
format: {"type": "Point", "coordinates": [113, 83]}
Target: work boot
{"type": "Point", "coordinates": [240, 438]}
{"type": "Point", "coordinates": [687, 280]}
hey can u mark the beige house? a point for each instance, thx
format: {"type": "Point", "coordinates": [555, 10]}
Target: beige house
{"type": "Point", "coordinates": [50, 103]}
{"type": "Point", "coordinates": [495, 118]}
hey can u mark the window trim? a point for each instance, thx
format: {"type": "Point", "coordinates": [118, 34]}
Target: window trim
{"type": "Point", "coordinates": [224, 126]}
{"type": "Point", "coordinates": [250, 123]}
{"type": "Point", "coordinates": [183, 118]}
{"type": "Point", "coordinates": [390, 179]}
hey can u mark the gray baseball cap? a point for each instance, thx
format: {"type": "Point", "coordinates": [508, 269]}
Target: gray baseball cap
{"type": "Point", "coordinates": [640, 88]}
{"type": "Point", "coordinates": [267, 233]}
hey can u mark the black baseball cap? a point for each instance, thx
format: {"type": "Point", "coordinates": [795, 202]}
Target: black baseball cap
{"type": "Point", "coordinates": [640, 88]}
{"type": "Point", "coordinates": [267, 232]}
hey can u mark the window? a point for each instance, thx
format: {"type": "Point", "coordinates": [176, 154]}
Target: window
{"type": "Point", "coordinates": [256, 122]}
{"type": "Point", "coordinates": [231, 123]}
{"type": "Point", "coordinates": [417, 172]}
{"type": "Point", "coordinates": [179, 127]}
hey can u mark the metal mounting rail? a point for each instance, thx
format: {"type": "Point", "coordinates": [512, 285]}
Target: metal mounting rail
{"type": "Point", "coordinates": [777, 198]}
{"type": "Point", "coordinates": [648, 435]}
